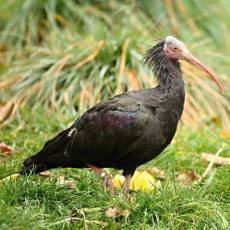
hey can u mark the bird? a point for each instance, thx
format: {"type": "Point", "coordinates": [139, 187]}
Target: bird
{"type": "Point", "coordinates": [129, 129]}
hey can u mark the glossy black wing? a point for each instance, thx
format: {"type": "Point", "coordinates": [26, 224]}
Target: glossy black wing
{"type": "Point", "coordinates": [120, 132]}
{"type": "Point", "coordinates": [106, 131]}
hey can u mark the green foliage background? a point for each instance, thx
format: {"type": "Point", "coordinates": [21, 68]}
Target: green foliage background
{"type": "Point", "coordinates": [66, 54]}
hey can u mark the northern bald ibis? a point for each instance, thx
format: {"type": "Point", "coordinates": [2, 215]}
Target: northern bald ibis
{"type": "Point", "coordinates": [129, 129]}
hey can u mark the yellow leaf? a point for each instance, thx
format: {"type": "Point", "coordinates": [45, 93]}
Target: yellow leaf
{"type": "Point", "coordinates": [118, 181]}
{"type": "Point", "coordinates": [140, 181]}
{"type": "Point", "coordinates": [143, 181]}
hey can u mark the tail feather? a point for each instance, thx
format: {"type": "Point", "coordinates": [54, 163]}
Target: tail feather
{"type": "Point", "coordinates": [52, 155]}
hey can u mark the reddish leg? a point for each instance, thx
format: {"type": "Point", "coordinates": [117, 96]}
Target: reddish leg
{"type": "Point", "coordinates": [107, 182]}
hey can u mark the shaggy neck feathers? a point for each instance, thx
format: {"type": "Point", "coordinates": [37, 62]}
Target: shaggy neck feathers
{"type": "Point", "coordinates": [167, 71]}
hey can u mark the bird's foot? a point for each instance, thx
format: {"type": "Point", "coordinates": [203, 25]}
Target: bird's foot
{"type": "Point", "coordinates": [126, 184]}
{"type": "Point", "coordinates": [107, 182]}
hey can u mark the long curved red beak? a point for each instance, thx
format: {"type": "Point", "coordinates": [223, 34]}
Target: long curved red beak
{"type": "Point", "coordinates": [195, 61]}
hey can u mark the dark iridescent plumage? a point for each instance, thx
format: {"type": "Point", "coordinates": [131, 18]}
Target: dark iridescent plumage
{"type": "Point", "coordinates": [122, 132]}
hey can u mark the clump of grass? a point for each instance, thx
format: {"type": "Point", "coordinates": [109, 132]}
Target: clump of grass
{"type": "Point", "coordinates": [62, 54]}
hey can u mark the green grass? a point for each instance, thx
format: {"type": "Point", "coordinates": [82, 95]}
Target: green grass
{"type": "Point", "coordinates": [59, 53]}
{"type": "Point", "coordinates": [35, 203]}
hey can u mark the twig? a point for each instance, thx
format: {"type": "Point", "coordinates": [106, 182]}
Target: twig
{"type": "Point", "coordinates": [210, 165]}
{"type": "Point", "coordinates": [91, 209]}
{"type": "Point", "coordinates": [224, 161]}
{"type": "Point", "coordinates": [69, 219]}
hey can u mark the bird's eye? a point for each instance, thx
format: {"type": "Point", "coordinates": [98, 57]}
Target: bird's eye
{"type": "Point", "coordinates": [175, 48]}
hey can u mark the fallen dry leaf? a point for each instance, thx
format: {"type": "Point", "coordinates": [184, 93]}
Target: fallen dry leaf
{"type": "Point", "coordinates": [6, 110]}
{"type": "Point", "coordinates": [116, 211]}
{"type": "Point", "coordinates": [216, 159]}
{"type": "Point", "coordinates": [46, 174]}
{"type": "Point", "coordinates": [61, 180]}
{"type": "Point", "coordinates": [187, 178]}
{"type": "Point", "coordinates": [225, 133]}
{"type": "Point", "coordinates": [156, 173]}
{"type": "Point", "coordinates": [6, 149]}
{"type": "Point", "coordinates": [12, 177]}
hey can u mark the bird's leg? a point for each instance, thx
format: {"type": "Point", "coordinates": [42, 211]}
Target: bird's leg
{"type": "Point", "coordinates": [128, 175]}
{"type": "Point", "coordinates": [126, 183]}
{"type": "Point", "coordinates": [107, 181]}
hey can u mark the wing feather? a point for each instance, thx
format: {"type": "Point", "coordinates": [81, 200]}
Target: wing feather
{"type": "Point", "coordinates": [105, 131]}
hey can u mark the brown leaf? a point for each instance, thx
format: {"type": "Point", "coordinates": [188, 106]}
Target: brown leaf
{"type": "Point", "coordinates": [156, 173]}
{"type": "Point", "coordinates": [216, 159]}
{"type": "Point", "coordinates": [116, 211]}
{"type": "Point", "coordinates": [6, 110]}
{"type": "Point", "coordinates": [187, 178]}
{"type": "Point", "coordinates": [6, 149]}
